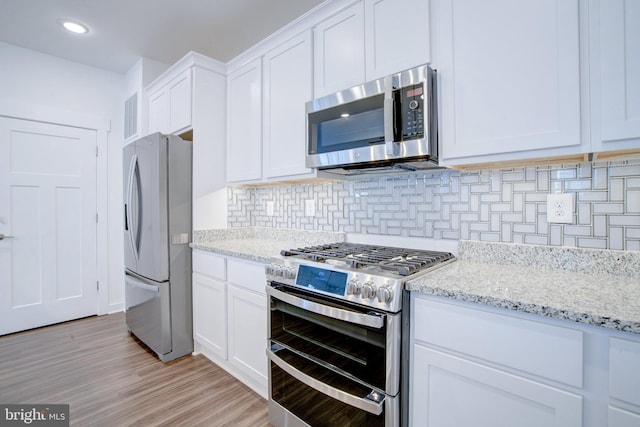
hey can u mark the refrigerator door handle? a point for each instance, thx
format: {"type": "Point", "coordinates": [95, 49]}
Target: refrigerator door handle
{"type": "Point", "coordinates": [150, 288]}
{"type": "Point", "coordinates": [134, 211]}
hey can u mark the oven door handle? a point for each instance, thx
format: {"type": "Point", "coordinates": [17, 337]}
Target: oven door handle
{"type": "Point", "coordinates": [358, 402]}
{"type": "Point", "coordinates": [328, 311]}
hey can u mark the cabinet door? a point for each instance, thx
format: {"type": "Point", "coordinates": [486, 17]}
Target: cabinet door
{"type": "Point", "coordinates": [170, 106]}
{"type": "Point", "coordinates": [509, 77]}
{"type": "Point", "coordinates": [621, 418]}
{"type": "Point", "coordinates": [244, 126]}
{"type": "Point", "coordinates": [179, 90]}
{"type": "Point", "coordinates": [210, 314]}
{"type": "Point", "coordinates": [624, 382]}
{"type": "Point", "coordinates": [159, 111]}
{"type": "Point", "coordinates": [616, 39]}
{"type": "Point", "coordinates": [287, 87]}
{"type": "Point", "coordinates": [397, 36]}
{"type": "Point", "coordinates": [339, 51]}
{"type": "Point", "coordinates": [248, 334]}
{"type": "Point", "coordinates": [451, 391]}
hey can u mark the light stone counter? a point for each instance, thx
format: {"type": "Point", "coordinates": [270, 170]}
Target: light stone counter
{"type": "Point", "coordinates": [257, 243]}
{"type": "Point", "coordinates": [596, 287]}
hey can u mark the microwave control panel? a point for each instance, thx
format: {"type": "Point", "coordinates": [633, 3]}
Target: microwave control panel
{"type": "Point", "coordinates": [412, 116]}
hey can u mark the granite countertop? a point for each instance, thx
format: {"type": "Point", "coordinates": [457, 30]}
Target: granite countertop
{"type": "Point", "coordinates": [596, 287]}
{"type": "Point", "coordinates": [258, 243]}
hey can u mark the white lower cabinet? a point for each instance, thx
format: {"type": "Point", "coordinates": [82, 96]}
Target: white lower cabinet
{"type": "Point", "coordinates": [621, 418]}
{"type": "Point", "coordinates": [210, 314]}
{"type": "Point", "coordinates": [473, 368]}
{"type": "Point", "coordinates": [474, 365]}
{"type": "Point", "coordinates": [248, 334]}
{"type": "Point", "coordinates": [453, 391]}
{"type": "Point", "coordinates": [230, 316]}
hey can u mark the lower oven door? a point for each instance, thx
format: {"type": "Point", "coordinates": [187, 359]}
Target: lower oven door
{"type": "Point", "coordinates": [304, 392]}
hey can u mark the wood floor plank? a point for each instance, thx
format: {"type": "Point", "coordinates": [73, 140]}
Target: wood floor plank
{"type": "Point", "coordinates": [110, 379]}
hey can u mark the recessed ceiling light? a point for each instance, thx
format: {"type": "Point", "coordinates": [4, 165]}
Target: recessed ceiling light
{"type": "Point", "coordinates": [74, 27]}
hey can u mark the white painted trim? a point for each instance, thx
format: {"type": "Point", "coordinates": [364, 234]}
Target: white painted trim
{"type": "Point", "coordinates": [191, 59]}
{"type": "Point", "coordinates": [25, 111]}
{"type": "Point", "coordinates": [102, 227]}
{"type": "Point", "coordinates": [22, 110]}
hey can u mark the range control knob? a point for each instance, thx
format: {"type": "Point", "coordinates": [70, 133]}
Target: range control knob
{"type": "Point", "coordinates": [270, 269]}
{"type": "Point", "coordinates": [384, 294]}
{"type": "Point", "coordinates": [287, 273]}
{"type": "Point", "coordinates": [353, 287]}
{"type": "Point", "coordinates": [369, 290]}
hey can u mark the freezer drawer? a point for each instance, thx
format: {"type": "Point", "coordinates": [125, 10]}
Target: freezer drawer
{"type": "Point", "coordinates": [148, 313]}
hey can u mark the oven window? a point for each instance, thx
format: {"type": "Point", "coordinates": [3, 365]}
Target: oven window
{"type": "Point", "coordinates": [354, 349]}
{"type": "Point", "coordinates": [312, 406]}
{"type": "Point", "coordinates": [353, 125]}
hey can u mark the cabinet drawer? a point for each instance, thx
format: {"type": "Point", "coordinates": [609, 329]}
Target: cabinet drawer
{"type": "Point", "coordinates": [249, 275]}
{"type": "Point", "coordinates": [537, 348]}
{"type": "Point", "coordinates": [624, 375]}
{"type": "Point", "coordinates": [208, 264]}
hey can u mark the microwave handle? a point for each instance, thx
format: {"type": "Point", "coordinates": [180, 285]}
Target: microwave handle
{"type": "Point", "coordinates": [392, 147]}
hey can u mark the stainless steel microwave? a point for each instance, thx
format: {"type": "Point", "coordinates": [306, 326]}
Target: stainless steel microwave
{"type": "Point", "coordinates": [389, 123]}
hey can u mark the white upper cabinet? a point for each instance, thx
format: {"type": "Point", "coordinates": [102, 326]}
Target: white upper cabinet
{"type": "Point", "coordinates": [288, 83]}
{"type": "Point", "coordinates": [244, 125]}
{"type": "Point", "coordinates": [509, 77]}
{"type": "Point", "coordinates": [368, 40]}
{"type": "Point", "coordinates": [615, 74]}
{"type": "Point", "coordinates": [397, 36]}
{"type": "Point", "coordinates": [188, 99]}
{"type": "Point", "coordinates": [170, 105]}
{"type": "Point", "coordinates": [339, 51]}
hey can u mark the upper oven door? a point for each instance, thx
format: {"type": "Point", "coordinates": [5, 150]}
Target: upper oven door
{"type": "Point", "coordinates": [349, 340]}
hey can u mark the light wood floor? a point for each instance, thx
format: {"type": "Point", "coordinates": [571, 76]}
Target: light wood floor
{"type": "Point", "coordinates": [109, 379]}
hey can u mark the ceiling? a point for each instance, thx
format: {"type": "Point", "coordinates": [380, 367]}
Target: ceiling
{"type": "Point", "coordinates": [122, 31]}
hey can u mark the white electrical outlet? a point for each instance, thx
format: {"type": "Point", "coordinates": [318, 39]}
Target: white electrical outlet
{"type": "Point", "coordinates": [310, 207]}
{"type": "Point", "coordinates": [560, 208]}
{"type": "Point", "coordinates": [269, 207]}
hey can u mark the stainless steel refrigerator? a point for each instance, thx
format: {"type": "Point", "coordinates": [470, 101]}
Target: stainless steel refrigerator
{"type": "Point", "coordinates": [157, 231]}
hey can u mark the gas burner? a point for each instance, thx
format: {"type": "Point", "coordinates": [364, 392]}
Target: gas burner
{"type": "Point", "coordinates": [366, 275]}
{"type": "Point", "coordinates": [401, 261]}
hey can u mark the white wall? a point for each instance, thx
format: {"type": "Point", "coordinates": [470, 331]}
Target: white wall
{"type": "Point", "coordinates": [47, 88]}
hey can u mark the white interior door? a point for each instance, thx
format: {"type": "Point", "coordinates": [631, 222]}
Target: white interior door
{"type": "Point", "coordinates": [48, 206]}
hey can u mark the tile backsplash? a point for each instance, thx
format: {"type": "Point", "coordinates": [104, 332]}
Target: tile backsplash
{"type": "Point", "coordinates": [500, 205]}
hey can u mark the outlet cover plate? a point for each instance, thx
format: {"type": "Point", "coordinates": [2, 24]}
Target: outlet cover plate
{"type": "Point", "coordinates": [560, 208]}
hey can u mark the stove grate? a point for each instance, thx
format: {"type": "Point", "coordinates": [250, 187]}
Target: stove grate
{"type": "Point", "coordinates": [399, 260]}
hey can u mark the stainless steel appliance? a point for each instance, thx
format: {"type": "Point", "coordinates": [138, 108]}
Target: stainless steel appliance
{"type": "Point", "coordinates": [389, 123]}
{"type": "Point", "coordinates": [335, 333]}
{"type": "Point", "coordinates": [157, 230]}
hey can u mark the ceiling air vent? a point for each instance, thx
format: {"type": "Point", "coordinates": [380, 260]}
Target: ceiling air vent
{"type": "Point", "coordinates": [131, 116]}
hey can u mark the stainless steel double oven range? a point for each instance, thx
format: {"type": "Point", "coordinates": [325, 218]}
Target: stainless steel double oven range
{"type": "Point", "coordinates": [335, 327]}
